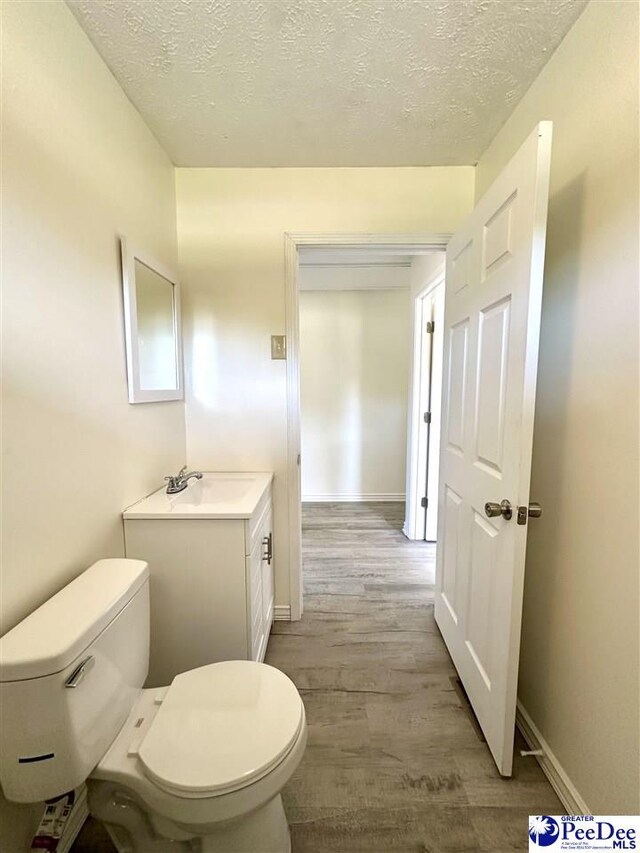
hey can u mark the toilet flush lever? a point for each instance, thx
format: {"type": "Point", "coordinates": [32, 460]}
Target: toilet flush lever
{"type": "Point", "coordinates": [80, 671]}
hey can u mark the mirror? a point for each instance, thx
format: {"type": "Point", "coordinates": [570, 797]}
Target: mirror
{"type": "Point", "coordinates": [152, 328]}
{"type": "Point", "coordinates": [156, 338]}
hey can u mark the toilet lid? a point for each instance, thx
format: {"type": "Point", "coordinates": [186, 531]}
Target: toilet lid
{"type": "Point", "coordinates": [220, 727]}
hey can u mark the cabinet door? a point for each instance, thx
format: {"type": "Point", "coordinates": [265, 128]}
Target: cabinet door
{"type": "Point", "coordinates": [255, 619]}
{"type": "Point", "coordinates": [267, 577]}
{"type": "Point", "coordinates": [198, 587]}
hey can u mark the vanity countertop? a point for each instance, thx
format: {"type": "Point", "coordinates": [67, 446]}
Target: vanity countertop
{"type": "Point", "coordinates": [216, 495]}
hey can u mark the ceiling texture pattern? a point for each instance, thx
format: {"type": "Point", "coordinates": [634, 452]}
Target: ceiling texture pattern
{"type": "Point", "coordinates": [325, 82]}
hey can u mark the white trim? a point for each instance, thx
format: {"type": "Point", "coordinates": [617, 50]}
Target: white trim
{"type": "Point", "coordinates": [130, 254]}
{"type": "Point", "coordinates": [435, 280]}
{"type": "Point", "coordinates": [292, 313]}
{"type": "Point", "coordinates": [282, 613]}
{"type": "Point", "coordinates": [408, 243]}
{"type": "Point", "coordinates": [551, 767]}
{"type": "Point", "coordinates": [358, 497]}
{"type": "Point", "coordinates": [332, 287]}
{"type": "Point", "coordinates": [356, 266]}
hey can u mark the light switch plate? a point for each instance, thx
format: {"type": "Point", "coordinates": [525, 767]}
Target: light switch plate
{"type": "Point", "coordinates": [278, 346]}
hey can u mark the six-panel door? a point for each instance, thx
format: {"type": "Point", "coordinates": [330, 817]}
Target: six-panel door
{"type": "Point", "coordinates": [492, 323]}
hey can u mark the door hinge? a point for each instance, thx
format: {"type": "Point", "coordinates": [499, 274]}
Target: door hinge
{"type": "Point", "coordinates": [427, 417]}
{"type": "Point", "coordinates": [431, 327]}
{"type": "Point", "coordinates": [424, 502]}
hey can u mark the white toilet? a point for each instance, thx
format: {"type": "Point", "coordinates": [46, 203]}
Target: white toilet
{"type": "Point", "coordinates": [196, 766]}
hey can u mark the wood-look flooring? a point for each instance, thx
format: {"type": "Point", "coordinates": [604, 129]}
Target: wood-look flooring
{"type": "Point", "coordinates": [394, 762]}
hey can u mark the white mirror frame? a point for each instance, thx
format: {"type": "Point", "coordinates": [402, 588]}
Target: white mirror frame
{"type": "Point", "coordinates": [136, 393]}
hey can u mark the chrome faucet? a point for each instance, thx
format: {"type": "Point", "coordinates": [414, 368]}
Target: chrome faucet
{"type": "Point", "coordinates": [181, 480]}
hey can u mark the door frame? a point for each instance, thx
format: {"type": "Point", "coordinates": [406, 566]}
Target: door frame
{"type": "Point", "coordinates": [408, 243]}
{"type": "Point", "coordinates": [417, 406]}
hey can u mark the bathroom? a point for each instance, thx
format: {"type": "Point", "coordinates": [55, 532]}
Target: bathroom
{"type": "Point", "coordinates": [81, 168]}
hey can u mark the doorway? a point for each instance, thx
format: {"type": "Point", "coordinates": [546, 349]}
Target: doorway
{"type": "Point", "coordinates": [295, 247]}
{"type": "Point", "coordinates": [495, 264]}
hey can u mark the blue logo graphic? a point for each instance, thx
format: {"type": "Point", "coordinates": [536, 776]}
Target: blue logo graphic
{"type": "Point", "coordinates": [543, 830]}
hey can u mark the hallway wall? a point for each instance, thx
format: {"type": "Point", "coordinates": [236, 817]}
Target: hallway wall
{"type": "Point", "coordinates": [354, 371]}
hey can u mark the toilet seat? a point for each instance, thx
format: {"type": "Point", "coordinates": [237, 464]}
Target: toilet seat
{"type": "Point", "coordinates": [220, 728]}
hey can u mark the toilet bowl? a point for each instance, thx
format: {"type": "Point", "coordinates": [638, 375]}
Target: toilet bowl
{"type": "Point", "coordinates": [195, 766]}
{"type": "Point", "coordinates": [206, 757]}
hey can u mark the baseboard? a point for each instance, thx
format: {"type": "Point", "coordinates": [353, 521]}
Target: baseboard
{"type": "Point", "coordinates": [551, 767]}
{"type": "Point", "coordinates": [385, 497]}
{"type": "Point", "coordinates": [282, 613]}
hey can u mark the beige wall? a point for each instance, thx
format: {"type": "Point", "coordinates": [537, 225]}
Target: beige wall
{"type": "Point", "coordinates": [354, 371]}
{"type": "Point", "coordinates": [79, 167]}
{"type": "Point", "coordinates": [231, 225]}
{"type": "Point", "coordinates": [579, 664]}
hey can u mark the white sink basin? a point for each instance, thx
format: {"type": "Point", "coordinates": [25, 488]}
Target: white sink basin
{"type": "Point", "coordinates": [213, 490]}
{"type": "Point", "coordinates": [224, 495]}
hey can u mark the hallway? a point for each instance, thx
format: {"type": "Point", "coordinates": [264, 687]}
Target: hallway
{"type": "Point", "coordinates": [394, 761]}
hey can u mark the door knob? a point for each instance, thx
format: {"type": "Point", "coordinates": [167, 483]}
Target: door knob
{"type": "Point", "coordinates": [493, 510]}
{"type": "Point", "coordinates": [534, 510]}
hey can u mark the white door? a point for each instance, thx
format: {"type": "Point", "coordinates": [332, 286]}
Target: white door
{"type": "Point", "coordinates": [432, 400]}
{"type": "Point", "coordinates": [427, 413]}
{"type": "Point", "coordinates": [423, 421]}
{"type": "Point", "coordinates": [492, 326]}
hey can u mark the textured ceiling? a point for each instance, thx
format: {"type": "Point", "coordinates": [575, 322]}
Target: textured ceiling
{"type": "Point", "coordinates": [325, 82]}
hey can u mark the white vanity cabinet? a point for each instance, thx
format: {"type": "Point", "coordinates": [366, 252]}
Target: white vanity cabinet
{"type": "Point", "coordinates": [260, 586]}
{"type": "Point", "coordinates": [211, 573]}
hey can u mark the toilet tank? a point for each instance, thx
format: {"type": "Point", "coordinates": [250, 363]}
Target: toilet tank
{"type": "Point", "coordinates": [69, 676]}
